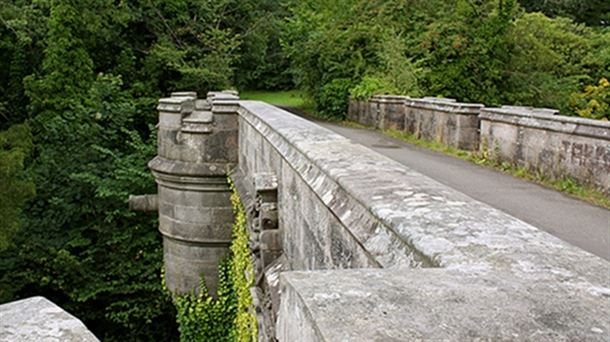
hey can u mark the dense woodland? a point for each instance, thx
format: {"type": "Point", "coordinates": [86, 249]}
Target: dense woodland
{"type": "Point", "coordinates": [79, 80]}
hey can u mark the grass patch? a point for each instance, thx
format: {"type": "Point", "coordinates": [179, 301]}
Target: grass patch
{"type": "Point", "coordinates": [565, 185]}
{"type": "Point", "coordinates": [290, 98]}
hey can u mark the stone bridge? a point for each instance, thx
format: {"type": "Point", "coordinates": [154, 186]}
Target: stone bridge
{"type": "Point", "coordinates": [353, 246]}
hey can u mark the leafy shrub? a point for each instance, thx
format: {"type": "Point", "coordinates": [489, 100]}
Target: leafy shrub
{"type": "Point", "coordinates": [201, 317]}
{"type": "Point", "coordinates": [594, 102]}
{"type": "Point", "coordinates": [333, 98]}
{"type": "Point", "coordinates": [15, 188]}
{"type": "Point", "coordinates": [242, 274]}
{"type": "Point", "coordinates": [550, 60]}
{"type": "Point", "coordinates": [370, 86]}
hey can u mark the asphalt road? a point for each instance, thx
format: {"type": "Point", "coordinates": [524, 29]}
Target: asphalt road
{"type": "Point", "coordinates": [574, 221]}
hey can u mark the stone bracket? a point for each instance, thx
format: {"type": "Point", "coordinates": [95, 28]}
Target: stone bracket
{"type": "Point", "coordinates": [265, 235]}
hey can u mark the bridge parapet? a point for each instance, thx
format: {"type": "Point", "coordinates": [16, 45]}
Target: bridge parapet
{"type": "Point", "coordinates": [372, 250]}
{"type": "Point", "coordinates": [343, 206]}
{"type": "Point", "coordinates": [536, 138]}
{"type": "Point", "coordinates": [555, 145]}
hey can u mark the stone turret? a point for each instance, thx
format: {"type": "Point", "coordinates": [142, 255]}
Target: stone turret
{"type": "Point", "coordinates": [197, 146]}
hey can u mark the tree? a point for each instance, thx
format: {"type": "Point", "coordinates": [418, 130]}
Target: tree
{"type": "Point", "coordinates": [15, 188]}
{"type": "Point", "coordinates": [590, 12]}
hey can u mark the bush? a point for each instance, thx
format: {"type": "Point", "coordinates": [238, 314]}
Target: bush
{"type": "Point", "coordinates": [370, 86]}
{"type": "Point", "coordinates": [333, 98]}
{"type": "Point", "coordinates": [594, 102]}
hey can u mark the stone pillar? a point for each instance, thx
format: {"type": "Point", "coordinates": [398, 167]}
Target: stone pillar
{"type": "Point", "coordinates": [196, 149]}
{"type": "Point", "coordinates": [391, 112]}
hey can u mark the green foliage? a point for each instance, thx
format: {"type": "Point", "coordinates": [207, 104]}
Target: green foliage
{"type": "Point", "coordinates": [22, 31]}
{"type": "Point", "coordinates": [400, 73]}
{"type": "Point", "coordinates": [487, 51]}
{"type": "Point", "coordinates": [333, 98]}
{"type": "Point", "coordinates": [261, 63]}
{"type": "Point", "coordinates": [227, 316]}
{"type": "Point", "coordinates": [15, 188]}
{"type": "Point", "coordinates": [370, 86]}
{"type": "Point", "coordinates": [87, 163]}
{"type": "Point", "coordinates": [594, 102]}
{"type": "Point", "coordinates": [550, 60]}
{"type": "Point", "coordinates": [242, 275]}
{"type": "Point", "coordinates": [87, 75]}
{"type": "Point", "coordinates": [333, 45]}
{"type": "Point", "coordinates": [201, 317]}
{"type": "Point", "coordinates": [590, 12]}
{"type": "Point", "coordinates": [467, 51]}
{"type": "Point", "coordinates": [290, 98]}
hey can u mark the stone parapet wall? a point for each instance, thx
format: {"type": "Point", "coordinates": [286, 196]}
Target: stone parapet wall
{"type": "Point", "coordinates": [322, 225]}
{"type": "Point", "coordinates": [375, 251]}
{"type": "Point", "coordinates": [444, 120]}
{"type": "Point", "coordinates": [536, 138]}
{"type": "Point", "coordinates": [350, 245]}
{"type": "Point", "coordinates": [555, 145]}
{"type": "Point", "coordinates": [39, 319]}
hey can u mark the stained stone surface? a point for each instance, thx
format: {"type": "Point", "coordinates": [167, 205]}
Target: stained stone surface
{"type": "Point", "coordinates": [37, 319]}
{"type": "Point", "coordinates": [536, 138]}
{"type": "Point", "coordinates": [436, 305]}
{"type": "Point", "coordinates": [556, 145]}
{"type": "Point", "coordinates": [444, 120]}
{"type": "Point", "coordinates": [342, 205]}
{"type": "Point", "coordinates": [197, 146]}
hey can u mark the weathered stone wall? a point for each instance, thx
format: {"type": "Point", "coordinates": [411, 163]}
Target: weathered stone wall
{"type": "Point", "coordinates": [322, 226]}
{"type": "Point", "coordinates": [421, 255]}
{"type": "Point", "coordinates": [443, 120]}
{"type": "Point", "coordinates": [371, 250]}
{"type": "Point", "coordinates": [197, 146]}
{"type": "Point", "coordinates": [556, 145]}
{"type": "Point", "coordinates": [533, 137]}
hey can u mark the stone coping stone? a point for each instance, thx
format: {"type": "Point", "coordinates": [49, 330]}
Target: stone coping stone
{"type": "Point", "coordinates": [190, 94]}
{"type": "Point", "coordinates": [178, 105]}
{"type": "Point", "coordinates": [399, 99]}
{"type": "Point", "coordinates": [528, 109]}
{"type": "Point", "coordinates": [440, 226]}
{"type": "Point", "coordinates": [225, 106]}
{"type": "Point", "coordinates": [445, 105]}
{"type": "Point", "coordinates": [436, 305]}
{"type": "Point", "coordinates": [303, 145]}
{"type": "Point", "coordinates": [597, 129]}
{"type": "Point", "coordinates": [37, 319]}
{"type": "Point", "coordinates": [223, 95]}
{"type": "Point", "coordinates": [439, 99]}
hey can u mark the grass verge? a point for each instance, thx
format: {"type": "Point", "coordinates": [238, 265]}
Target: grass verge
{"type": "Point", "coordinates": [290, 98]}
{"type": "Point", "coordinates": [565, 185]}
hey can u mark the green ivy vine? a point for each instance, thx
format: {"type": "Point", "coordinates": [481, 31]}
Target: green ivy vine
{"type": "Point", "coordinates": [228, 317]}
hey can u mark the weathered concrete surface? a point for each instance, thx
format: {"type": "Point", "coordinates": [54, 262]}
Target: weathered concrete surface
{"type": "Point", "coordinates": [557, 145]}
{"type": "Point", "coordinates": [342, 205]}
{"type": "Point", "coordinates": [437, 305]}
{"type": "Point", "coordinates": [37, 319]}
{"type": "Point", "coordinates": [579, 223]}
